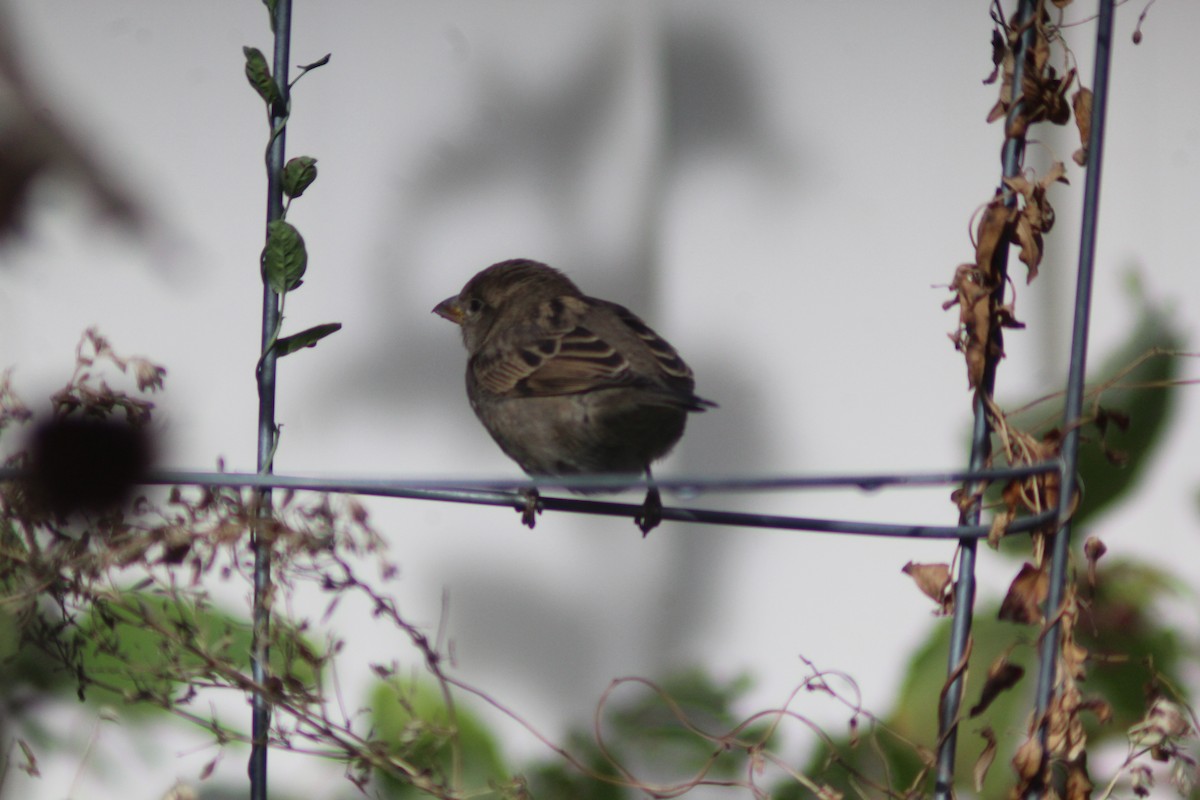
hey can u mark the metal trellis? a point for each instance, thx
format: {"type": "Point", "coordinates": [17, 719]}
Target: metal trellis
{"type": "Point", "coordinates": [510, 493]}
{"type": "Point", "coordinates": [281, 24]}
{"type": "Point", "coordinates": [967, 532]}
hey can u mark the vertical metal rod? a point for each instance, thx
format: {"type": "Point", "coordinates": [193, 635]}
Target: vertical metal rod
{"type": "Point", "coordinates": [1012, 158]}
{"type": "Point", "coordinates": [259, 650]}
{"type": "Point", "coordinates": [1073, 404]}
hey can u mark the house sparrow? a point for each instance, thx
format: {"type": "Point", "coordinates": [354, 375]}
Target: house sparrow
{"type": "Point", "coordinates": [569, 384]}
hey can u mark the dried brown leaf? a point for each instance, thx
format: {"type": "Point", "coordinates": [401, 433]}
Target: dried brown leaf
{"type": "Point", "coordinates": [1065, 736]}
{"type": "Point", "coordinates": [965, 500]}
{"type": "Point", "coordinates": [1019, 184]}
{"type": "Point", "coordinates": [999, 50]}
{"type": "Point", "coordinates": [984, 762]}
{"type": "Point", "coordinates": [1027, 762]}
{"type": "Point", "coordinates": [972, 295]}
{"type": "Point", "coordinates": [1002, 675]}
{"type": "Point", "coordinates": [934, 581]}
{"type": "Point", "coordinates": [1035, 216]}
{"type": "Point", "coordinates": [1074, 656]}
{"type": "Point", "coordinates": [1025, 596]}
{"type": "Point", "coordinates": [989, 235]}
{"type": "Point", "coordinates": [1004, 98]}
{"type": "Point", "coordinates": [997, 111]}
{"type": "Point", "coordinates": [1029, 238]}
{"type": "Point", "coordinates": [999, 529]}
{"type": "Point", "coordinates": [1058, 111]}
{"type": "Point", "coordinates": [1043, 93]}
{"type": "Point", "coordinates": [1039, 53]}
{"type": "Point", "coordinates": [1012, 495]}
{"type": "Point", "coordinates": [1079, 785]}
{"type": "Point", "coordinates": [1081, 104]}
{"type": "Point", "coordinates": [1100, 707]}
{"type": "Point", "coordinates": [1006, 317]}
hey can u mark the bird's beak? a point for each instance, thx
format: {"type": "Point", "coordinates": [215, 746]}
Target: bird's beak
{"type": "Point", "coordinates": [450, 309]}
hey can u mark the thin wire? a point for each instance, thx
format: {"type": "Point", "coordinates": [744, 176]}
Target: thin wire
{"type": "Point", "coordinates": [281, 24]}
{"type": "Point", "coordinates": [964, 588]}
{"type": "Point", "coordinates": [1073, 404]}
{"type": "Point", "coordinates": [682, 485]}
{"type": "Point", "coordinates": [867, 482]}
{"type": "Point", "coordinates": [509, 493]}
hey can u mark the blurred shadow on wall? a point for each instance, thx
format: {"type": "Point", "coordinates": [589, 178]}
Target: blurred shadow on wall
{"type": "Point", "coordinates": [540, 147]}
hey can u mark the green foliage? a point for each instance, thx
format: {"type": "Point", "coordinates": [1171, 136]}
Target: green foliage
{"type": "Point", "coordinates": [680, 730]}
{"type": "Point", "coordinates": [24, 667]}
{"type": "Point", "coordinates": [271, 6]}
{"type": "Point", "coordinates": [285, 257]}
{"type": "Point", "coordinates": [1130, 412]}
{"type": "Point", "coordinates": [411, 722]}
{"type": "Point", "coordinates": [306, 338]}
{"type": "Point", "coordinates": [1128, 649]}
{"type": "Point", "coordinates": [134, 647]}
{"type": "Point", "coordinates": [306, 68]}
{"type": "Point", "coordinates": [298, 175]}
{"type": "Point", "coordinates": [259, 75]}
{"type": "Point", "coordinates": [1127, 643]}
{"type": "Point", "coordinates": [25, 672]}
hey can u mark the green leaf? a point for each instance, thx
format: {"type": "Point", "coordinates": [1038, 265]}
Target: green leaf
{"type": "Point", "coordinates": [259, 75]}
{"type": "Point", "coordinates": [1113, 459]}
{"type": "Point", "coordinates": [308, 338]}
{"type": "Point", "coordinates": [148, 648]}
{"type": "Point", "coordinates": [642, 727]}
{"type": "Point", "coordinates": [1121, 625]}
{"type": "Point", "coordinates": [644, 723]}
{"type": "Point", "coordinates": [411, 722]}
{"type": "Point", "coordinates": [284, 258]}
{"type": "Point", "coordinates": [271, 5]}
{"type": "Point", "coordinates": [23, 668]}
{"type": "Point", "coordinates": [320, 62]}
{"type": "Point", "coordinates": [298, 175]}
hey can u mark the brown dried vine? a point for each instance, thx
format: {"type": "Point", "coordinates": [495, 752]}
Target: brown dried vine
{"type": "Point", "coordinates": [1020, 213]}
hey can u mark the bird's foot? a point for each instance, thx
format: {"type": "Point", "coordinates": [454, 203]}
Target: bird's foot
{"type": "Point", "coordinates": [651, 514]}
{"type": "Point", "coordinates": [532, 507]}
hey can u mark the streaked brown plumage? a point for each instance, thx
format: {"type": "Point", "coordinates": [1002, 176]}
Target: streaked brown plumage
{"type": "Point", "coordinates": [569, 384]}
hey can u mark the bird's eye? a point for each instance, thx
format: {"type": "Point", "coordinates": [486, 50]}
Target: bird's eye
{"type": "Point", "coordinates": [474, 305]}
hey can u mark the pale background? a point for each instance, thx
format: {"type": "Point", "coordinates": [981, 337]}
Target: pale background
{"type": "Point", "coordinates": [776, 187]}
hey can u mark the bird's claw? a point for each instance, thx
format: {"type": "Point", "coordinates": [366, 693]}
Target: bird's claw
{"type": "Point", "coordinates": [531, 508]}
{"type": "Point", "coordinates": [651, 514]}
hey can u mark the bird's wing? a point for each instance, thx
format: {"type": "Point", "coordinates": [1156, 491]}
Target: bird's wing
{"type": "Point", "coordinates": [570, 362]}
{"type": "Point", "coordinates": [567, 354]}
{"type": "Point", "coordinates": [554, 354]}
{"type": "Point", "coordinates": [574, 362]}
{"type": "Point", "coordinates": [666, 359]}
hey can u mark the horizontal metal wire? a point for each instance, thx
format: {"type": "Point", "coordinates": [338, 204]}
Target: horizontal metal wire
{"type": "Point", "coordinates": [510, 493]}
{"type": "Point", "coordinates": [693, 485]}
